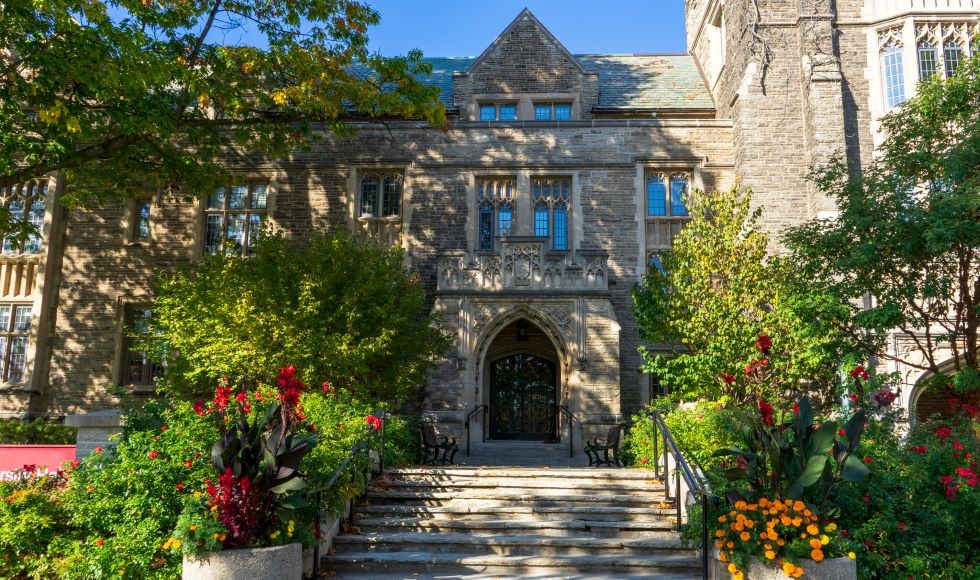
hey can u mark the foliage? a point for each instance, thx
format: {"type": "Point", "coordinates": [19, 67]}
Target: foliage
{"type": "Point", "coordinates": [335, 307]}
{"type": "Point", "coordinates": [908, 229]}
{"type": "Point", "coordinates": [699, 431]}
{"type": "Point", "coordinates": [918, 514]}
{"type": "Point", "coordinates": [35, 432]}
{"type": "Point", "coordinates": [778, 531]}
{"type": "Point", "coordinates": [719, 263]}
{"type": "Point", "coordinates": [30, 519]}
{"type": "Point", "coordinates": [795, 458]}
{"type": "Point", "coordinates": [121, 95]}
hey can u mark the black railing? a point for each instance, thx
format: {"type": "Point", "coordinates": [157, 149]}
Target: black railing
{"type": "Point", "coordinates": [682, 471]}
{"type": "Point", "coordinates": [478, 410]}
{"type": "Point", "coordinates": [563, 410]}
{"type": "Point", "coordinates": [361, 447]}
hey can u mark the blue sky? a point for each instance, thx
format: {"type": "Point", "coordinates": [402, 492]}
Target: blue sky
{"type": "Point", "coordinates": [466, 27]}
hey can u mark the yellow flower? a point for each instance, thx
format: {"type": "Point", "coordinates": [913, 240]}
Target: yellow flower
{"type": "Point", "coordinates": [279, 98]}
{"type": "Point", "coordinates": [851, 555]}
{"type": "Point", "coordinates": [197, 494]}
{"type": "Point", "coordinates": [176, 545]}
{"type": "Point", "coordinates": [738, 575]}
{"type": "Point", "coordinates": [788, 568]}
{"type": "Point", "coordinates": [824, 540]}
{"type": "Point", "coordinates": [830, 527]}
{"type": "Point", "coordinates": [798, 572]}
{"type": "Point", "coordinates": [770, 555]}
{"type": "Point", "coordinates": [732, 568]}
{"type": "Point", "coordinates": [816, 555]}
{"type": "Point", "coordinates": [192, 528]}
{"type": "Point", "coordinates": [274, 535]}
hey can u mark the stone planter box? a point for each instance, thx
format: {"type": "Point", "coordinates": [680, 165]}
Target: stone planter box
{"type": "Point", "coordinates": [829, 569]}
{"type": "Point", "coordinates": [276, 563]}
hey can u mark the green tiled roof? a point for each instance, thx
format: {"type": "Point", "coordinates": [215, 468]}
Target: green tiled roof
{"type": "Point", "coordinates": [626, 81]}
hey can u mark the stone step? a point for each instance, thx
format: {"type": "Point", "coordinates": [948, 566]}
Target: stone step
{"type": "Point", "coordinates": [569, 484]}
{"type": "Point", "coordinates": [506, 545]}
{"type": "Point", "coordinates": [446, 565]}
{"type": "Point", "coordinates": [662, 528]}
{"type": "Point", "coordinates": [543, 497]}
{"type": "Point", "coordinates": [521, 512]}
{"type": "Point", "coordinates": [601, 473]}
{"type": "Point", "coordinates": [592, 575]}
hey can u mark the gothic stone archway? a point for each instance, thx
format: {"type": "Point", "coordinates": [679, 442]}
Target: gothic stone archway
{"type": "Point", "coordinates": [522, 375]}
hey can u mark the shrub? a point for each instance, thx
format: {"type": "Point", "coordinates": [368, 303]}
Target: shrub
{"type": "Point", "coordinates": [698, 430]}
{"type": "Point", "coordinates": [35, 432]}
{"type": "Point", "coordinates": [918, 514]}
{"type": "Point", "coordinates": [31, 518]}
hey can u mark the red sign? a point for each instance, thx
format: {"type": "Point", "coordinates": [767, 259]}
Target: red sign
{"type": "Point", "coordinates": [41, 458]}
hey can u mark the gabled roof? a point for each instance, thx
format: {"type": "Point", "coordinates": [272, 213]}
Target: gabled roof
{"type": "Point", "coordinates": [626, 81]}
{"type": "Point", "coordinates": [525, 15]}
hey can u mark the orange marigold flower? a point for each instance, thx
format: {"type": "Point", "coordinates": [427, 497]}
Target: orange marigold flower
{"type": "Point", "coordinates": [720, 533]}
{"type": "Point", "coordinates": [770, 555]}
{"type": "Point", "coordinates": [815, 544]}
{"type": "Point", "coordinates": [797, 522]}
{"type": "Point", "coordinates": [723, 557]}
{"type": "Point", "coordinates": [799, 506]}
{"type": "Point", "coordinates": [719, 543]}
{"type": "Point", "coordinates": [740, 505]}
{"type": "Point", "coordinates": [812, 529]}
{"type": "Point", "coordinates": [730, 545]}
{"type": "Point", "coordinates": [786, 521]}
{"type": "Point", "coordinates": [816, 555]}
{"type": "Point", "coordinates": [798, 572]}
{"type": "Point", "coordinates": [749, 524]}
{"type": "Point", "coordinates": [722, 519]}
{"type": "Point", "coordinates": [788, 568]}
{"type": "Point", "coordinates": [744, 536]}
{"type": "Point", "coordinates": [780, 542]}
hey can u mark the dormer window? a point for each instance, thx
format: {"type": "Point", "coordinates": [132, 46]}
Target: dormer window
{"type": "Point", "coordinates": [552, 111]}
{"type": "Point", "coordinates": [498, 111]}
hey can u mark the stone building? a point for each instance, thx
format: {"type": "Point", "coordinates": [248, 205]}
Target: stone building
{"type": "Point", "coordinates": [560, 181]}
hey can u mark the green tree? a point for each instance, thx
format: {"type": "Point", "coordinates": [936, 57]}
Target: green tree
{"type": "Point", "coordinates": [122, 95]}
{"type": "Point", "coordinates": [905, 247]}
{"type": "Point", "coordinates": [718, 291]}
{"type": "Point", "coordinates": [337, 308]}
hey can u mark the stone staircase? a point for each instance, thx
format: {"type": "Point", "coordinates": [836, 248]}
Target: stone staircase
{"type": "Point", "coordinates": [514, 522]}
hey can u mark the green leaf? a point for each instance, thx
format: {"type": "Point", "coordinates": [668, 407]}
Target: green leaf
{"type": "Point", "coordinates": [294, 484]}
{"type": "Point", "coordinates": [821, 441]}
{"type": "Point", "coordinates": [854, 469]}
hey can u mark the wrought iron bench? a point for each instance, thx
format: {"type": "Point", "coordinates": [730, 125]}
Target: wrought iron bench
{"type": "Point", "coordinates": [610, 443]}
{"type": "Point", "coordinates": [432, 447]}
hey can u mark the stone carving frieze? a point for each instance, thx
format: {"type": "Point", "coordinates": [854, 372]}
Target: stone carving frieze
{"type": "Point", "coordinates": [523, 264]}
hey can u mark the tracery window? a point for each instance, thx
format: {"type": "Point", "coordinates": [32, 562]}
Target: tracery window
{"type": "Point", "coordinates": [550, 197]}
{"type": "Point", "coordinates": [667, 192]}
{"type": "Point", "coordinates": [26, 203]}
{"type": "Point", "coordinates": [928, 61]}
{"type": "Point", "coordinates": [495, 198]}
{"type": "Point", "coordinates": [941, 45]}
{"type": "Point", "coordinates": [893, 74]}
{"type": "Point", "coordinates": [235, 218]}
{"type": "Point", "coordinates": [381, 195]}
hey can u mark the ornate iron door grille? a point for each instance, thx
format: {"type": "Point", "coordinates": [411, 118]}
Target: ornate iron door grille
{"type": "Point", "coordinates": [522, 398]}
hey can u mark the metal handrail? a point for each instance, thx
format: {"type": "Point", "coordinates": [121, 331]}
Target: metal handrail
{"type": "Point", "coordinates": [362, 445]}
{"type": "Point", "coordinates": [564, 410]}
{"type": "Point", "coordinates": [694, 482]}
{"type": "Point", "coordinates": [485, 410]}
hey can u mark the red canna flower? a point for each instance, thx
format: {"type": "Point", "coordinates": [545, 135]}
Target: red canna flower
{"type": "Point", "coordinates": [763, 343]}
{"type": "Point", "coordinates": [180, 487]}
{"type": "Point", "coordinates": [199, 408]}
{"type": "Point", "coordinates": [153, 455]}
{"type": "Point", "coordinates": [100, 542]}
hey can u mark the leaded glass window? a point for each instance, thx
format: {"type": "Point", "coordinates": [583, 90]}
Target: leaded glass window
{"type": "Point", "coordinates": [15, 326]}
{"type": "Point", "coordinates": [928, 61]}
{"type": "Point", "coordinates": [381, 195]}
{"type": "Point", "coordinates": [893, 74]}
{"type": "Point", "coordinates": [235, 218]}
{"type": "Point", "coordinates": [550, 198]}
{"type": "Point", "coordinates": [496, 209]}
{"type": "Point", "coordinates": [657, 195]}
{"type": "Point", "coordinates": [552, 111]}
{"type": "Point", "coordinates": [678, 194]}
{"type": "Point", "coordinates": [26, 203]}
{"type": "Point", "coordinates": [141, 231]}
{"type": "Point", "coordinates": [952, 54]}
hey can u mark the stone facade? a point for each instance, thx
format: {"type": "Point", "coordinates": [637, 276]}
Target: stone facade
{"type": "Point", "coordinates": [762, 100]}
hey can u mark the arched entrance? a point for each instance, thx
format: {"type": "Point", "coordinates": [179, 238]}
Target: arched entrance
{"type": "Point", "coordinates": [522, 378]}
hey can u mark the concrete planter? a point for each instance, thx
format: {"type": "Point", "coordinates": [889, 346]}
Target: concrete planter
{"type": "Point", "coordinates": [829, 569]}
{"type": "Point", "coordinates": [276, 563]}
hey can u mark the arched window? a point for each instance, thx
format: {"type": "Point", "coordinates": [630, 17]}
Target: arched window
{"type": "Point", "coordinates": [893, 74]}
{"type": "Point", "coordinates": [26, 202]}
{"type": "Point", "coordinates": [495, 196]}
{"type": "Point", "coordinates": [381, 195]}
{"type": "Point", "coordinates": [550, 198]}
